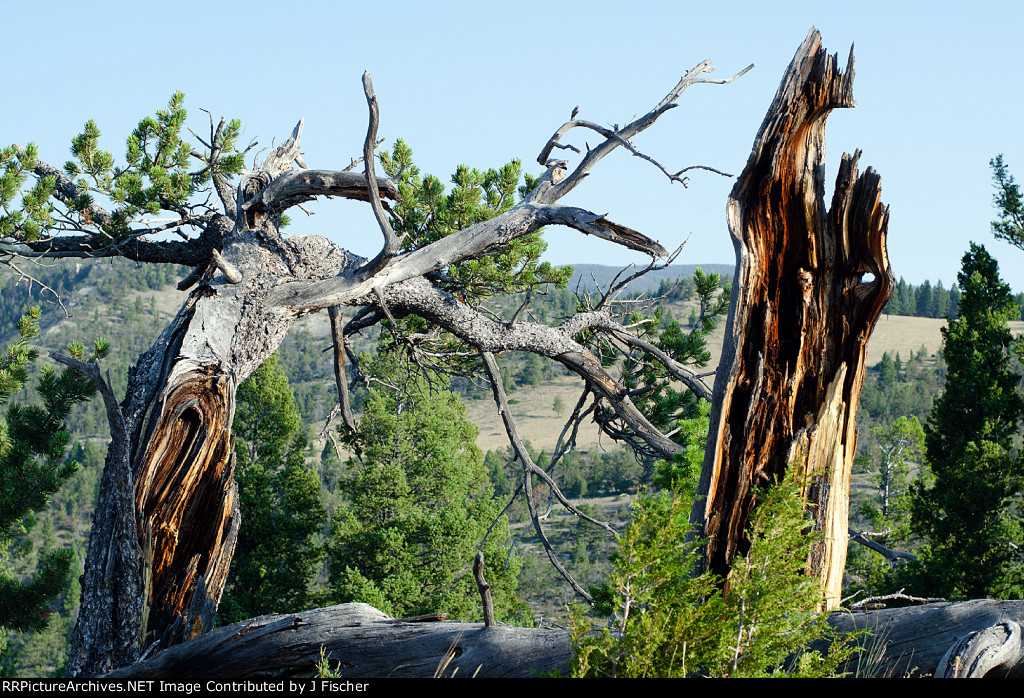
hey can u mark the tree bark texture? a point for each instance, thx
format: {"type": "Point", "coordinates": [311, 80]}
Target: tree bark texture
{"type": "Point", "coordinates": [969, 639]}
{"type": "Point", "coordinates": [785, 397]}
{"type": "Point", "coordinates": [360, 642]}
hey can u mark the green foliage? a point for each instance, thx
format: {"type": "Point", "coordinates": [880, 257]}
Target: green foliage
{"type": "Point", "coordinates": [666, 404]}
{"type": "Point", "coordinates": [419, 505]}
{"type": "Point", "coordinates": [323, 667]}
{"type": "Point", "coordinates": [557, 405]}
{"type": "Point", "coordinates": [668, 622]}
{"type": "Point", "coordinates": [966, 513]}
{"type": "Point", "coordinates": [683, 471]}
{"type": "Point", "coordinates": [427, 213]}
{"type": "Point", "coordinates": [1008, 202]}
{"type": "Point", "coordinates": [886, 511]}
{"type": "Point", "coordinates": [155, 176]}
{"type": "Point", "coordinates": [33, 443]}
{"type": "Point", "coordinates": [924, 300]}
{"type": "Point", "coordinates": [278, 554]}
{"type": "Point", "coordinates": [894, 388]}
{"type": "Point", "coordinates": [23, 218]}
{"type": "Point", "coordinates": [899, 445]}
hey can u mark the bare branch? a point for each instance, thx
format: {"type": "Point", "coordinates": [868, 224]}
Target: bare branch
{"type": "Point", "coordinates": [614, 136]}
{"type": "Point", "coordinates": [864, 538]}
{"type": "Point", "coordinates": [486, 334]}
{"type": "Point", "coordinates": [391, 243]}
{"type": "Point", "coordinates": [29, 279]}
{"type": "Point", "coordinates": [468, 243]}
{"type": "Point", "coordinates": [682, 374]}
{"type": "Point", "coordinates": [484, 588]}
{"type": "Point", "coordinates": [299, 186]}
{"type": "Point", "coordinates": [230, 272]}
{"type": "Point", "coordinates": [874, 602]}
{"type": "Point", "coordinates": [355, 161]}
{"type": "Point", "coordinates": [498, 388]}
{"type": "Point", "coordinates": [338, 341]}
{"type": "Point", "coordinates": [617, 137]}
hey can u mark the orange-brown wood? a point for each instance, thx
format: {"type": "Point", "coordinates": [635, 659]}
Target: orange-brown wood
{"type": "Point", "coordinates": [186, 500]}
{"type": "Point", "coordinates": [811, 283]}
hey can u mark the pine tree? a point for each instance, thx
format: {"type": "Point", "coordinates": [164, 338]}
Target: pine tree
{"type": "Point", "coordinates": [278, 555]}
{"type": "Point", "coordinates": [668, 623]}
{"type": "Point", "coordinates": [1008, 201]}
{"type": "Point", "coordinates": [419, 506]}
{"type": "Point", "coordinates": [940, 301]}
{"type": "Point", "coordinates": [965, 514]}
{"type": "Point", "coordinates": [33, 443]}
{"type": "Point", "coordinates": [925, 301]}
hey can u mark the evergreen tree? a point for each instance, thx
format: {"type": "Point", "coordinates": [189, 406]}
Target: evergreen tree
{"type": "Point", "coordinates": [278, 554]}
{"type": "Point", "coordinates": [965, 514]}
{"type": "Point", "coordinates": [1008, 201]}
{"type": "Point", "coordinates": [925, 300]}
{"type": "Point", "coordinates": [668, 623]}
{"type": "Point", "coordinates": [419, 506]}
{"type": "Point", "coordinates": [33, 443]}
{"type": "Point", "coordinates": [940, 301]}
{"type": "Point", "coordinates": [667, 404]}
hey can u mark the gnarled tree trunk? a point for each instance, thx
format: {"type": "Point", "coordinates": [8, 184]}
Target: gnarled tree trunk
{"type": "Point", "coordinates": [167, 518]}
{"type": "Point", "coordinates": [178, 413]}
{"type": "Point", "coordinates": [785, 398]}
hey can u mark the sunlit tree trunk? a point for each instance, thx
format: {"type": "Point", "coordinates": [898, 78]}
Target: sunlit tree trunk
{"type": "Point", "coordinates": [810, 284]}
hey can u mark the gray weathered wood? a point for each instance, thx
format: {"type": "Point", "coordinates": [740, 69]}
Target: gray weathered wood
{"type": "Point", "coordinates": [368, 644]}
{"type": "Point", "coordinates": [250, 283]}
{"type": "Point", "coordinates": [916, 639]}
{"type": "Point", "coordinates": [361, 642]}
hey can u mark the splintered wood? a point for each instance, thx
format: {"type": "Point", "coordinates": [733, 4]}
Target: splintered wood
{"type": "Point", "coordinates": [811, 282]}
{"type": "Point", "coordinates": [186, 499]}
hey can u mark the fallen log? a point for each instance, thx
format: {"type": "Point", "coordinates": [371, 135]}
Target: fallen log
{"type": "Point", "coordinates": [360, 642]}
{"type": "Point", "coordinates": [941, 639]}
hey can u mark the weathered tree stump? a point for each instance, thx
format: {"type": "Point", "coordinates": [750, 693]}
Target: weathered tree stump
{"type": "Point", "coordinates": [803, 307]}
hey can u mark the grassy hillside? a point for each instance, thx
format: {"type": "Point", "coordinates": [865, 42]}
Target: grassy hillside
{"type": "Point", "coordinates": [130, 305]}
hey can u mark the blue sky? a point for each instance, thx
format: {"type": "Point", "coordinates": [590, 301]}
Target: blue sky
{"type": "Point", "coordinates": [937, 86]}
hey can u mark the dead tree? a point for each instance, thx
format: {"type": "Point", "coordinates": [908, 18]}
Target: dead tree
{"type": "Point", "coordinates": [973, 638]}
{"type": "Point", "coordinates": [167, 517]}
{"type": "Point", "coordinates": [810, 283]}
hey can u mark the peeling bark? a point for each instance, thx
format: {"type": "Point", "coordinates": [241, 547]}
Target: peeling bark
{"type": "Point", "coordinates": [785, 399]}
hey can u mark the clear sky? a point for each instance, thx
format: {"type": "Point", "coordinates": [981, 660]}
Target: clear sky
{"type": "Point", "coordinates": [937, 85]}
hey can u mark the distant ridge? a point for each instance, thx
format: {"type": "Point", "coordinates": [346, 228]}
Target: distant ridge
{"type": "Point", "coordinates": [585, 274]}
